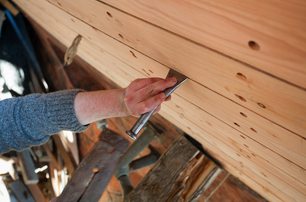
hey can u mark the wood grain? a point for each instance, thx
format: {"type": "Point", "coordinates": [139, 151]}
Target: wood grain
{"type": "Point", "coordinates": [261, 130]}
{"type": "Point", "coordinates": [277, 27]}
{"type": "Point", "coordinates": [206, 129]}
{"type": "Point", "coordinates": [267, 96]}
{"type": "Point", "coordinates": [166, 170]}
{"type": "Point", "coordinates": [173, 176]}
{"type": "Point", "coordinates": [87, 77]}
{"type": "Point", "coordinates": [221, 141]}
{"type": "Point", "coordinates": [232, 188]}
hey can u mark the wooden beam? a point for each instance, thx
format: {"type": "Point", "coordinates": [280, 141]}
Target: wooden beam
{"type": "Point", "coordinates": [269, 37]}
{"type": "Point", "coordinates": [175, 176]}
{"type": "Point", "coordinates": [274, 99]}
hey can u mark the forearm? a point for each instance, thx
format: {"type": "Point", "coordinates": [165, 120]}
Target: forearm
{"type": "Point", "coordinates": [30, 120]}
{"type": "Point", "coordinates": [97, 105]}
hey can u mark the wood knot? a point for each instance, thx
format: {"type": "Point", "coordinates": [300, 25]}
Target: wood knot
{"type": "Point", "coordinates": [254, 45]}
{"type": "Point", "coordinates": [109, 14]}
{"type": "Point", "coordinates": [261, 105]}
{"type": "Point", "coordinates": [241, 76]}
{"type": "Point", "coordinates": [240, 98]}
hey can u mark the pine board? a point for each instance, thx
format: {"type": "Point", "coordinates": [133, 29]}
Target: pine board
{"type": "Point", "coordinates": [256, 127]}
{"type": "Point", "coordinates": [123, 73]}
{"type": "Point", "coordinates": [274, 99]}
{"type": "Point", "coordinates": [278, 27]}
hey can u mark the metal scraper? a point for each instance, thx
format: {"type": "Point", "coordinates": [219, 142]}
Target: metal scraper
{"type": "Point", "coordinates": [144, 118]}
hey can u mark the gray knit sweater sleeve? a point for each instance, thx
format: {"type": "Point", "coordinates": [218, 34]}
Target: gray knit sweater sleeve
{"type": "Point", "coordinates": [30, 120]}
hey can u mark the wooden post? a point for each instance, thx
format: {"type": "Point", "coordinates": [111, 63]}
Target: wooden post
{"type": "Point", "coordinates": [176, 176]}
{"type": "Point", "coordinates": [94, 172]}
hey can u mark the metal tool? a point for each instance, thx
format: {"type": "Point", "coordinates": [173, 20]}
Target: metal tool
{"type": "Point", "coordinates": [144, 118]}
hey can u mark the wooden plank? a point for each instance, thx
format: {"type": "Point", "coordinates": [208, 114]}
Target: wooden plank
{"type": "Point", "coordinates": [267, 36]}
{"type": "Point", "coordinates": [206, 129]}
{"type": "Point", "coordinates": [230, 189]}
{"type": "Point", "coordinates": [95, 171]}
{"type": "Point", "coordinates": [298, 173]}
{"type": "Point", "coordinates": [86, 77]}
{"type": "Point", "coordinates": [257, 183]}
{"type": "Point", "coordinates": [122, 77]}
{"type": "Point", "coordinates": [261, 130]}
{"type": "Point", "coordinates": [247, 122]}
{"type": "Point", "coordinates": [244, 85]}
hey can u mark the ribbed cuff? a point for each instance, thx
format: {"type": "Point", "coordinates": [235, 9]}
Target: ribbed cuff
{"type": "Point", "coordinates": [61, 112]}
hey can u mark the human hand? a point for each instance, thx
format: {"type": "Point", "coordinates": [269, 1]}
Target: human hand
{"type": "Point", "coordinates": [144, 95]}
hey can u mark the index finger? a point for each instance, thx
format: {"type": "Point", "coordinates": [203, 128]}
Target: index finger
{"type": "Point", "coordinates": [153, 89]}
{"type": "Point", "coordinates": [141, 83]}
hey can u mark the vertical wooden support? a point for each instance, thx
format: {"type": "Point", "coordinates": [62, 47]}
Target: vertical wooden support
{"type": "Point", "coordinates": [20, 191]}
{"type": "Point", "coordinates": [95, 171]}
{"type": "Point", "coordinates": [27, 167]}
{"type": "Point", "coordinates": [177, 176]}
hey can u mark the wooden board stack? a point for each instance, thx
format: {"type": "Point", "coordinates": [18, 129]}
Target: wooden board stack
{"type": "Point", "coordinates": [245, 100]}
